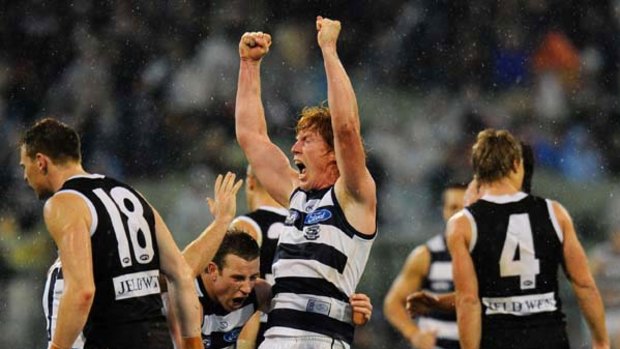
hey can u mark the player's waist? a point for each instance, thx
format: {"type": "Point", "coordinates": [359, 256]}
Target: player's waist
{"type": "Point", "coordinates": [326, 306]}
{"type": "Point", "coordinates": [523, 305]}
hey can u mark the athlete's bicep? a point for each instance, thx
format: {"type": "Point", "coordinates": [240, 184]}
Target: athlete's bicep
{"type": "Point", "coordinates": [463, 271]}
{"type": "Point", "coordinates": [411, 276]}
{"type": "Point", "coordinates": [171, 260]}
{"type": "Point", "coordinates": [575, 259]}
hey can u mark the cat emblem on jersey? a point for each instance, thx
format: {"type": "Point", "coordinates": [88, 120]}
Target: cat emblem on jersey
{"type": "Point", "coordinates": [311, 205]}
{"type": "Point", "coordinates": [291, 218]}
{"type": "Point", "coordinates": [312, 232]}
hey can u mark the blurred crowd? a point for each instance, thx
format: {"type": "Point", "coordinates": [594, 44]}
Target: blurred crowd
{"type": "Point", "coordinates": [150, 85]}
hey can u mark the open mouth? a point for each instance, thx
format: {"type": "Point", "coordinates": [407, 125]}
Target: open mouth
{"type": "Point", "coordinates": [300, 167]}
{"type": "Point", "coordinates": [238, 301]}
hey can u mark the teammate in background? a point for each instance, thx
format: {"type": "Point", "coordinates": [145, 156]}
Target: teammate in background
{"type": "Point", "coordinates": [506, 249]}
{"type": "Point", "coordinates": [331, 225]}
{"type": "Point", "coordinates": [265, 223]}
{"type": "Point", "coordinates": [112, 246]}
{"type": "Point", "coordinates": [225, 264]}
{"type": "Point", "coordinates": [423, 302]}
{"type": "Point", "coordinates": [605, 258]}
{"type": "Point", "coordinates": [428, 267]}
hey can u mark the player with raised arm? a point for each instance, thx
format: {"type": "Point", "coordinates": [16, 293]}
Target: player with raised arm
{"type": "Point", "coordinates": [331, 197]}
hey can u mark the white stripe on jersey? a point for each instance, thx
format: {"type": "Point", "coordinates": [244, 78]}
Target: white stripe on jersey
{"type": "Point", "coordinates": [440, 271]}
{"type": "Point", "coordinates": [445, 329]}
{"type": "Point", "coordinates": [217, 323]}
{"type": "Point", "coordinates": [56, 287]}
{"type": "Point", "coordinates": [327, 306]}
{"type": "Point", "coordinates": [554, 221]}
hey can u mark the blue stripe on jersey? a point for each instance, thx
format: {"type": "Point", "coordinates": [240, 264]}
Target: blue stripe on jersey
{"type": "Point", "coordinates": [322, 253]}
{"type": "Point", "coordinates": [313, 286]}
{"type": "Point", "coordinates": [311, 322]}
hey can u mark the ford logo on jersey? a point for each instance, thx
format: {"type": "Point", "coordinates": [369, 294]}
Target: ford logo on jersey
{"type": "Point", "coordinates": [232, 336]}
{"type": "Point", "coordinates": [318, 216]}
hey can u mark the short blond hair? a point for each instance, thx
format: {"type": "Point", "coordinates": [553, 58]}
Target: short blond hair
{"type": "Point", "coordinates": [494, 154]}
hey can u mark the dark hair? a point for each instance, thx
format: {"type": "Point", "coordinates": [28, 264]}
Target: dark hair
{"type": "Point", "coordinates": [528, 167]}
{"type": "Point", "coordinates": [238, 243]}
{"type": "Point", "coordinates": [494, 154]}
{"type": "Point", "coordinates": [54, 139]}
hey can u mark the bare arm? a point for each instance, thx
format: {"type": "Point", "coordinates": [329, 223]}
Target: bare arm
{"type": "Point", "coordinates": [270, 164]}
{"type": "Point", "coordinates": [181, 292]}
{"type": "Point", "coordinates": [247, 337]}
{"type": "Point", "coordinates": [409, 280]}
{"type": "Point", "coordinates": [68, 220]}
{"type": "Point", "coordinates": [355, 189]}
{"type": "Point", "coordinates": [200, 252]}
{"type": "Point", "coordinates": [468, 309]}
{"type": "Point", "coordinates": [581, 279]}
{"type": "Point", "coordinates": [423, 302]}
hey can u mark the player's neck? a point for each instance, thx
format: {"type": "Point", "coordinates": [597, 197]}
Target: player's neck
{"type": "Point", "coordinates": [262, 199]}
{"type": "Point", "coordinates": [503, 186]}
{"type": "Point", "coordinates": [62, 173]}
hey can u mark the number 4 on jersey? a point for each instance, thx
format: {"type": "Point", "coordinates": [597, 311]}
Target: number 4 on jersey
{"type": "Point", "coordinates": [526, 266]}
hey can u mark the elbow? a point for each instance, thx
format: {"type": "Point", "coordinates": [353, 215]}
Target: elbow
{"type": "Point", "coordinates": [85, 297]}
{"type": "Point", "coordinates": [467, 301]}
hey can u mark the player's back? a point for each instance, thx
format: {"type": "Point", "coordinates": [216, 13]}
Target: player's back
{"type": "Point", "coordinates": [516, 248]}
{"type": "Point", "coordinates": [127, 304]}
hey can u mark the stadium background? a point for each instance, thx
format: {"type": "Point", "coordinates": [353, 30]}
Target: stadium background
{"type": "Point", "coordinates": [150, 85]}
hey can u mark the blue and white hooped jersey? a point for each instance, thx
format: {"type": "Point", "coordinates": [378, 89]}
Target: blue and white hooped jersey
{"type": "Point", "coordinates": [54, 286]}
{"type": "Point", "coordinates": [319, 261]}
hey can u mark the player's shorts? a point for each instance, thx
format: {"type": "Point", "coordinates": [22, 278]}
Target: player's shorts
{"type": "Point", "coordinates": [307, 342]}
{"type": "Point", "coordinates": [153, 334]}
{"type": "Point", "coordinates": [547, 337]}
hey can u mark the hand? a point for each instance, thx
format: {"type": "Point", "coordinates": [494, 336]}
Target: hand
{"type": "Point", "coordinates": [224, 204]}
{"type": "Point", "coordinates": [424, 339]}
{"type": "Point", "coordinates": [362, 308]}
{"type": "Point", "coordinates": [254, 46]}
{"type": "Point", "coordinates": [421, 303]}
{"type": "Point", "coordinates": [328, 31]}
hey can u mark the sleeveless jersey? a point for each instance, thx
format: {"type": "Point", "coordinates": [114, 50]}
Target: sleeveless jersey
{"type": "Point", "coordinates": [54, 286]}
{"type": "Point", "coordinates": [319, 261]}
{"type": "Point", "coordinates": [439, 280]}
{"type": "Point", "coordinates": [124, 251]}
{"type": "Point", "coordinates": [268, 222]}
{"type": "Point", "coordinates": [220, 328]}
{"type": "Point", "coordinates": [516, 248]}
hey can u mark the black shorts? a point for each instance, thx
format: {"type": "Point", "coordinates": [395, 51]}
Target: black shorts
{"type": "Point", "coordinates": [531, 337]}
{"type": "Point", "coordinates": [152, 334]}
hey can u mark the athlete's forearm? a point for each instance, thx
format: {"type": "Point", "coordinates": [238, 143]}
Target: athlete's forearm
{"type": "Point", "coordinates": [201, 251]}
{"type": "Point", "coordinates": [73, 310]}
{"type": "Point", "coordinates": [469, 323]}
{"type": "Point", "coordinates": [249, 110]}
{"type": "Point", "coordinates": [591, 305]}
{"type": "Point", "coordinates": [340, 93]}
{"type": "Point", "coordinates": [184, 301]}
{"type": "Point", "coordinates": [397, 315]}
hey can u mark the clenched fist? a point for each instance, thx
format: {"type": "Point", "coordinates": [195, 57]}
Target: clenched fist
{"type": "Point", "coordinates": [254, 46]}
{"type": "Point", "coordinates": [327, 31]}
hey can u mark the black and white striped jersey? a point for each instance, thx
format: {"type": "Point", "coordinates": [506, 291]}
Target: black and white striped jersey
{"type": "Point", "coordinates": [319, 261]}
{"type": "Point", "coordinates": [124, 251]}
{"type": "Point", "coordinates": [516, 248]}
{"type": "Point", "coordinates": [221, 328]}
{"type": "Point", "coordinates": [439, 280]}
{"type": "Point", "coordinates": [269, 223]}
{"type": "Point", "coordinates": [54, 286]}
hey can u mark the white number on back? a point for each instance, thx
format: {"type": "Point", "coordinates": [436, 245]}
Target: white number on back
{"type": "Point", "coordinates": [136, 223]}
{"type": "Point", "coordinates": [519, 236]}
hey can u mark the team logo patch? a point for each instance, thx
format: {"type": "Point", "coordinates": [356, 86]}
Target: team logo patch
{"type": "Point", "coordinates": [318, 306]}
{"type": "Point", "coordinates": [292, 217]}
{"type": "Point", "coordinates": [318, 216]}
{"type": "Point", "coordinates": [207, 342]}
{"type": "Point", "coordinates": [311, 205]}
{"type": "Point", "coordinates": [232, 336]}
{"type": "Point", "coordinates": [312, 232]}
{"type": "Point", "coordinates": [224, 325]}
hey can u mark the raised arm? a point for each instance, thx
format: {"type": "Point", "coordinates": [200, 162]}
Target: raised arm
{"type": "Point", "coordinates": [68, 220]}
{"type": "Point", "coordinates": [355, 188]}
{"type": "Point", "coordinates": [468, 308]}
{"type": "Point", "coordinates": [223, 207]}
{"type": "Point", "coordinates": [180, 283]}
{"type": "Point", "coordinates": [270, 164]}
{"type": "Point", "coordinates": [409, 280]}
{"type": "Point", "coordinates": [581, 279]}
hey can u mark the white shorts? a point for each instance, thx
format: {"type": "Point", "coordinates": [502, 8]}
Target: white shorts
{"type": "Point", "coordinates": [307, 342]}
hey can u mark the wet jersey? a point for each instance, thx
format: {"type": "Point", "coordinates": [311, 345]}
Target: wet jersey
{"type": "Point", "coordinates": [220, 328]}
{"type": "Point", "coordinates": [124, 251]}
{"type": "Point", "coordinates": [439, 280]}
{"type": "Point", "coordinates": [319, 261]}
{"type": "Point", "coordinates": [516, 248]}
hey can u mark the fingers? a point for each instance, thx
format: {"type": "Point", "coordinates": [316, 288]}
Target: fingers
{"type": "Point", "coordinates": [253, 39]}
